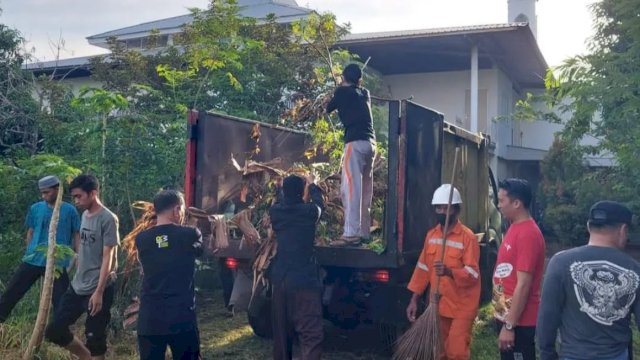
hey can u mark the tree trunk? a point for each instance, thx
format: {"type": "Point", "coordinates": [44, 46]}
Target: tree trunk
{"type": "Point", "coordinates": [104, 154]}
{"type": "Point", "coordinates": [47, 284]}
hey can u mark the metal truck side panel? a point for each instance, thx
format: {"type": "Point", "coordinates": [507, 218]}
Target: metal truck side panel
{"type": "Point", "coordinates": [422, 172]}
{"type": "Point", "coordinates": [220, 136]}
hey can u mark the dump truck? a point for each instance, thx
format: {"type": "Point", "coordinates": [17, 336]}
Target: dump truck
{"type": "Point", "coordinates": [361, 287]}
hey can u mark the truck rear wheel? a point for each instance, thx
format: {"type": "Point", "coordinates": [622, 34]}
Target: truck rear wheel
{"type": "Point", "coordinates": [261, 323]}
{"type": "Point", "coordinates": [389, 334]}
{"type": "Point", "coordinates": [259, 313]}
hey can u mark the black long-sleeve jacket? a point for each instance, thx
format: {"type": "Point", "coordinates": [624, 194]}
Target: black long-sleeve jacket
{"type": "Point", "coordinates": [294, 224]}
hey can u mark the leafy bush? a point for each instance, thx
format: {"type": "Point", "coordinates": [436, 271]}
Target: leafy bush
{"type": "Point", "coordinates": [570, 187]}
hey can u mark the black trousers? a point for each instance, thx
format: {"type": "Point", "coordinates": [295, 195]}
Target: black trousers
{"type": "Point", "coordinates": [185, 346]}
{"type": "Point", "coordinates": [25, 276]}
{"type": "Point", "coordinates": [525, 343]}
{"type": "Point", "coordinates": [296, 315]}
{"type": "Point", "coordinates": [72, 306]}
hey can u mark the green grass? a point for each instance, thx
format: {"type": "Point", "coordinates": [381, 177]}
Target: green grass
{"type": "Point", "coordinates": [232, 338]}
{"type": "Point", "coordinates": [16, 332]}
{"type": "Point", "coordinates": [484, 342]}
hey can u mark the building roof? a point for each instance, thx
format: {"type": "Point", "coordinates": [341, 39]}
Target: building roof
{"type": "Point", "coordinates": [168, 23]}
{"type": "Point", "coordinates": [286, 11]}
{"type": "Point", "coordinates": [426, 32]}
{"type": "Point", "coordinates": [63, 68]}
{"type": "Point", "coordinates": [511, 47]}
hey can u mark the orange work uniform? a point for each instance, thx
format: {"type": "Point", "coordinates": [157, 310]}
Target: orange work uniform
{"type": "Point", "coordinates": [460, 293]}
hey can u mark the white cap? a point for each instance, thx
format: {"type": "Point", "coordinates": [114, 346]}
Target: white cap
{"type": "Point", "coordinates": [48, 181]}
{"type": "Point", "coordinates": [441, 195]}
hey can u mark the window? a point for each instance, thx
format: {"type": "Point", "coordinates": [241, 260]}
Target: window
{"type": "Point", "coordinates": [146, 42]}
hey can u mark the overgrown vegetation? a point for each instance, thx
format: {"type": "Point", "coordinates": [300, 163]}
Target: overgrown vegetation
{"type": "Point", "coordinates": [598, 95]}
{"type": "Point", "coordinates": [569, 188]}
{"type": "Point", "coordinates": [130, 131]}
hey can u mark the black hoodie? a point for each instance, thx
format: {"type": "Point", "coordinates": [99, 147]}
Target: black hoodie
{"type": "Point", "coordinates": [294, 223]}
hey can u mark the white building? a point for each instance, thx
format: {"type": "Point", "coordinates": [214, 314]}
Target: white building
{"type": "Point", "coordinates": [474, 74]}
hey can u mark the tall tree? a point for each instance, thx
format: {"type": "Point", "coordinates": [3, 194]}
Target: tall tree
{"type": "Point", "coordinates": [599, 94]}
{"type": "Point", "coordinates": [18, 110]}
{"type": "Point", "coordinates": [604, 87]}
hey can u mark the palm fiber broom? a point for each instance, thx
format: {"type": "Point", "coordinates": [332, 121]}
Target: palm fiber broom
{"type": "Point", "coordinates": [422, 341]}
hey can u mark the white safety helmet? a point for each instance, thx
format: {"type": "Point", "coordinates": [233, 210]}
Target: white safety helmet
{"type": "Point", "coordinates": [441, 195]}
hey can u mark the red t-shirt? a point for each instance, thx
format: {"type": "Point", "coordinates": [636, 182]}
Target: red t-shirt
{"type": "Point", "coordinates": [522, 250]}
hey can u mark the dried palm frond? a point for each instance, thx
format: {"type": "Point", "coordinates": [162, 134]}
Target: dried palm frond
{"type": "Point", "coordinates": [250, 167]}
{"type": "Point", "coordinates": [249, 233]}
{"type": "Point", "coordinates": [131, 314]}
{"type": "Point", "coordinates": [261, 262]}
{"type": "Point", "coordinates": [146, 221]}
{"type": "Point", "coordinates": [220, 229]}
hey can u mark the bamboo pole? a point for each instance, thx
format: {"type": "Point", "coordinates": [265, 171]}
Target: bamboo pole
{"type": "Point", "coordinates": [47, 285]}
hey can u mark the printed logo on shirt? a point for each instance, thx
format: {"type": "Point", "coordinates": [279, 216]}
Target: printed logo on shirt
{"type": "Point", "coordinates": [604, 290]}
{"type": "Point", "coordinates": [162, 241]}
{"type": "Point", "coordinates": [503, 270]}
{"type": "Point", "coordinates": [87, 236]}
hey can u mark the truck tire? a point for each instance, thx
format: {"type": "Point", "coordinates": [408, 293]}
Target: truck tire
{"type": "Point", "coordinates": [389, 335]}
{"type": "Point", "coordinates": [261, 323]}
{"type": "Point", "coordinates": [259, 313]}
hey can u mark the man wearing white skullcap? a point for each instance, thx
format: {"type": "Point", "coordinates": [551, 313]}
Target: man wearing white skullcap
{"type": "Point", "coordinates": [33, 263]}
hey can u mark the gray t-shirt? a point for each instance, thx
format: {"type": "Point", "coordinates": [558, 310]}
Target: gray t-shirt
{"type": "Point", "coordinates": [96, 232]}
{"type": "Point", "coordinates": [588, 295]}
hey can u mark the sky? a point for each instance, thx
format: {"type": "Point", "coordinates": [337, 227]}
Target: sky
{"type": "Point", "coordinates": [563, 25]}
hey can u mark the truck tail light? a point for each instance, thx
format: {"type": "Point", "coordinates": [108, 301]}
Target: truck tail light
{"type": "Point", "coordinates": [231, 263]}
{"type": "Point", "coordinates": [381, 276]}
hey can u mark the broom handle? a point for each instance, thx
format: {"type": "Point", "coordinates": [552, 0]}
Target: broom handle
{"type": "Point", "coordinates": [447, 218]}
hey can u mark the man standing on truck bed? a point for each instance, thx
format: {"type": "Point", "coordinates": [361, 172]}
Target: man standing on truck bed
{"type": "Point", "coordinates": [167, 253]}
{"type": "Point", "coordinates": [354, 108]}
{"type": "Point", "coordinates": [459, 275]}
{"type": "Point", "coordinates": [518, 274]}
{"type": "Point", "coordinates": [589, 292]}
{"type": "Point", "coordinates": [296, 301]}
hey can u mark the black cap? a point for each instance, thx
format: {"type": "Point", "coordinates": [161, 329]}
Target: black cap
{"type": "Point", "coordinates": [610, 213]}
